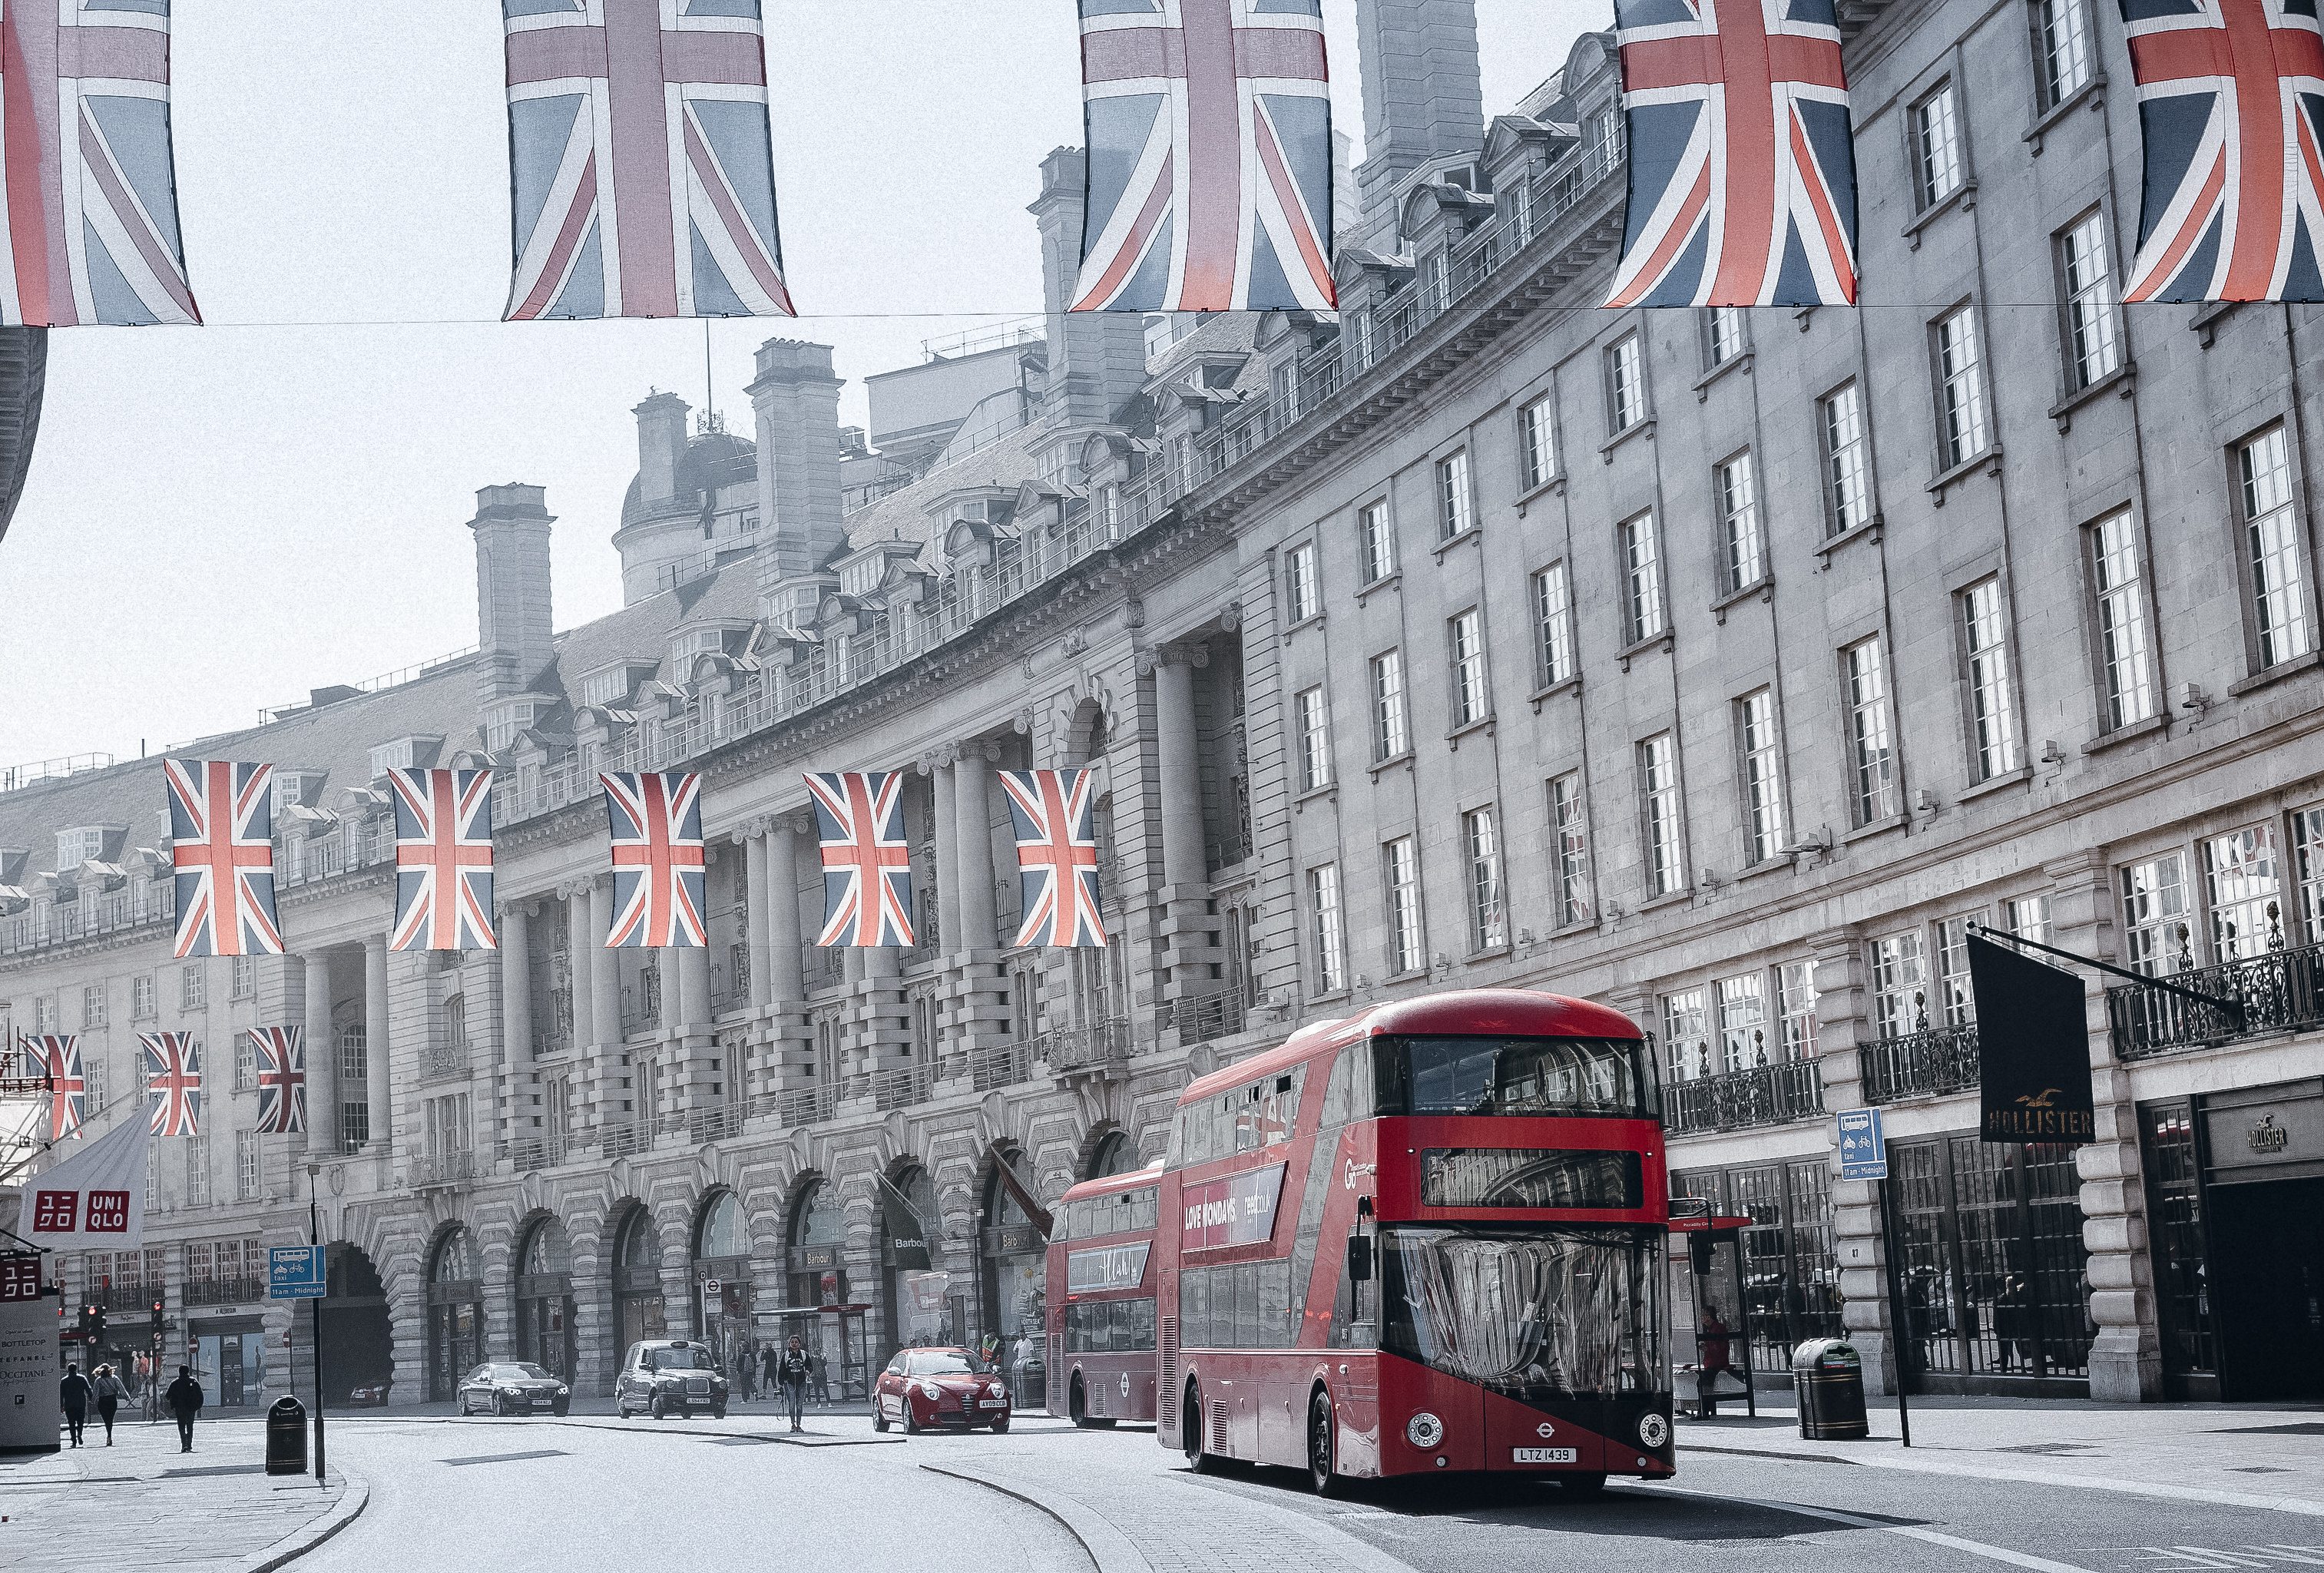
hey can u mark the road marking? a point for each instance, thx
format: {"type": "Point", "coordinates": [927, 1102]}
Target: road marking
{"type": "Point", "coordinates": [1924, 1466]}
{"type": "Point", "coordinates": [1953, 1542]}
{"type": "Point", "coordinates": [509, 1458]}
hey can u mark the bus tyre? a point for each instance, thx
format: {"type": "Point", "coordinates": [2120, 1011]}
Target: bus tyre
{"type": "Point", "coordinates": [1322, 1436]}
{"type": "Point", "coordinates": [1586, 1484]}
{"type": "Point", "coordinates": [1190, 1433]}
{"type": "Point", "coordinates": [1077, 1406]}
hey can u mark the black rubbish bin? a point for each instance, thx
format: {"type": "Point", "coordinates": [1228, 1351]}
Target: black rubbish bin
{"type": "Point", "coordinates": [286, 1437]}
{"type": "Point", "coordinates": [1828, 1379]}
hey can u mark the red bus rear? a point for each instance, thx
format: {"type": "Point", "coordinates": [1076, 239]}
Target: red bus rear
{"type": "Point", "coordinates": [1426, 1238]}
{"type": "Point", "coordinates": [1102, 1313]}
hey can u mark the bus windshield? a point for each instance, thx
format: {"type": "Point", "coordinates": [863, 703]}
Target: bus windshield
{"type": "Point", "coordinates": [1537, 1076]}
{"type": "Point", "coordinates": [1563, 1314]}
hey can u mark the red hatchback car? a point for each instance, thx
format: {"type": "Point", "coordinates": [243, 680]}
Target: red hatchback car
{"type": "Point", "coordinates": [922, 1388]}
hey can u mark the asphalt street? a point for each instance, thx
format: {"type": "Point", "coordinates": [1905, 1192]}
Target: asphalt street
{"type": "Point", "coordinates": [589, 1493]}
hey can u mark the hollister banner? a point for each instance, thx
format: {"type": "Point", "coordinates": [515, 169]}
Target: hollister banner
{"type": "Point", "coordinates": [2033, 1048]}
{"type": "Point", "coordinates": [907, 1233]}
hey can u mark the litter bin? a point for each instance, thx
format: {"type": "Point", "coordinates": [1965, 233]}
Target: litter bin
{"type": "Point", "coordinates": [1828, 1379]}
{"type": "Point", "coordinates": [286, 1437]}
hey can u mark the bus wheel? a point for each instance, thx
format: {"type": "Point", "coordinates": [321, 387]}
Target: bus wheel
{"type": "Point", "coordinates": [1586, 1484]}
{"type": "Point", "coordinates": [1322, 1435]}
{"type": "Point", "coordinates": [1190, 1433]}
{"type": "Point", "coordinates": [1077, 1406]}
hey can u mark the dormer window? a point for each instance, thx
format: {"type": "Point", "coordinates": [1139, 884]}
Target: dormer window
{"type": "Point", "coordinates": [84, 843]}
{"type": "Point", "coordinates": [606, 687]}
{"type": "Point", "coordinates": [404, 754]}
{"type": "Point", "coordinates": [685, 646]}
{"type": "Point", "coordinates": [294, 789]}
{"type": "Point", "coordinates": [862, 578]}
{"type": "Point", "coordinates": [1462, 175]}
{"type": "Point", "coordinates": [505, 720]}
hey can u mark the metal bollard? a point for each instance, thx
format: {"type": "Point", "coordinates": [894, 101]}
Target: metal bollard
{"type": "Point", "coordinates": [286, 1437]}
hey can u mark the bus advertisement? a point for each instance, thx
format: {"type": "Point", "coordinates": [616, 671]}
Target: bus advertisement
{"type": "Point", "coordinates": [1427, 1238]}
{"type": "Point", "coordinates": [1102, 1321]}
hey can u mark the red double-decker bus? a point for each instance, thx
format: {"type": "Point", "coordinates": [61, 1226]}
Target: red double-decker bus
{"type": "Point", "coordinates": [1426, 1238]}
{"type": "Point", "coordinates": [1101, 1311]}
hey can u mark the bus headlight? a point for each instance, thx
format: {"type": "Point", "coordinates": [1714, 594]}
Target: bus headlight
{"type": "Point", "coordinates": [1424, 1431]}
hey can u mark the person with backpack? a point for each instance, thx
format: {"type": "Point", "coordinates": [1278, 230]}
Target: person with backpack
{"type": "Point", "coordinates": [185, 1400]}
{"type": "Point", "coordinates": [109, 1395]}
{"type": "Point", "coordinates": [73, 1392]}
{"type": "Point", "coordinates": [792, 1370]}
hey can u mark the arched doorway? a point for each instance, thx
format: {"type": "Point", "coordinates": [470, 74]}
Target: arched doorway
{"type": "Point", "coordinates": [544, 1300]}
{"type": "Point", "coordinates": [1013, 1255]}
{"type": "Point", "coordinates": [722, 1258]}
{"type": "Point", "coordinates": [358, 1339]}
{"type": "Point", "coordinates": [637, 1280]}
{"type": "Point", "coordinates": [456, 1316]}
{"type": "Point", "coordinates": [920, 1304]}
{"type": "Point", "coordinates": [817, 1279]}
{"type": "Point", "coordinates": [1116, 1153]}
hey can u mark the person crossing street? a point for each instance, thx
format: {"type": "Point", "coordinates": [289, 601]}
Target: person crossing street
{"type": "Point", "coordinates": [792, 1370]}
{"type": "Point", "coordinates": [109, 1395]}
{"type": "Point", "coordinates": [73, 1392]}
{"type": "Point", "coordinates": [185, 1401]}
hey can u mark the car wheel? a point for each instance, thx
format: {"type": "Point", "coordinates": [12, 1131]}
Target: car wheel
{"type": "Point", "coordinates": [1323, 1447]}
{"type": "Point", "coordinates": [911, 1424]}
{"type": "Point", "coordinates": [560, 1410]}
{"type": "Point", "coordinates": [1001, 1426]}
{"type": "Point", "coordinates": [501, 1407]}
{"type": "Point", "coordinates": [659, 1407]}
{"type": "Point", "coordinates": [1190, 1433]}
{"type": "Point", "coordinates": [719, 1413]}
{"type": "Point", "coordinates": [880, 1415]}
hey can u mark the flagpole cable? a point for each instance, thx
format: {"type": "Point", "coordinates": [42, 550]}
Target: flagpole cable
{"type": "Point", "coordinates": [2164, 983]}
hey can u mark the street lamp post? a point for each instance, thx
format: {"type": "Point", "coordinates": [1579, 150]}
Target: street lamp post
{"type": "Point", "coordinates": [315, 1239]}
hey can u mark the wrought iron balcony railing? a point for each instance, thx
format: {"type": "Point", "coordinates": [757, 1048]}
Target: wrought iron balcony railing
{"type": "Point", "coordinates": [223, 1292]}
{"type": "Point", "coordinates": [1087, 1048]}
{"type": "Point", "coordinates": [1929, 1063]}
{"type": "Point", "coordinates": [1200, 1018]}
{"type": "Point", "coordinates": [443, 1168]}
{"type": "Point", "coordinates": [2277, 991]}
{"type": "Point", "coordinates": [1759, 1095]}
{"type": "Point", "coordinates": [1002, 1065]}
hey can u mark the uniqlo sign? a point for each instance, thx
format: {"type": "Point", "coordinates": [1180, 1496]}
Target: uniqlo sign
{"type": "Point", "coordinates": [108, 1212]}
{"type": "Point", "coordinates": [20, 1278]}
{"type": "Point", "coordinates": [56, 1211]}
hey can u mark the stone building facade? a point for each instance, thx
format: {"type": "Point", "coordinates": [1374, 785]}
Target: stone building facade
{"type": "Point", "coordinates": [1724, 667]}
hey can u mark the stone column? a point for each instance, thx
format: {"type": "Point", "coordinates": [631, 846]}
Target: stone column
{"type": "Point", "coordinates": [1178, 767]}
{"type": "Point", "coordinates": [1859, 1233]}
{"type": "Point", "coordinates": [579, 974]}
{"type": "Point", "coordinates": [605, 964]}
{"type": "Point", "coordinates": [972, 858]}
{"type": "Point", "coordinates": [785, 971]}
{"type": "Point", "coordinates": [754, 886]}
{"type": "Point", "coordinates": [693, 1014]}
{"type": "Point", "coordinates": [322, 1060]}
{"type": "Point", "coordinates": [516, 984]}
{"type": "Point", "coordinates": [947, 860]}
{"type": "Point", "coordinates": [376, 1085]}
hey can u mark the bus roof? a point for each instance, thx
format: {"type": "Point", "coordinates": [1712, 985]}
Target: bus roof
{"type": "Point", "coordinates": [1111, 1183]}
{"type": "Point", "coordinates": [1516, 1012]}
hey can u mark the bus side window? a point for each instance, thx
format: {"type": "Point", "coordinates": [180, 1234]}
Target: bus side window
{"type": "Point", "coordinates": [1144, 1205]}
{"type": "Point", "coordinates": [1355, 1308]}
{"type": "Point", "coordinates": [1347, 1090]}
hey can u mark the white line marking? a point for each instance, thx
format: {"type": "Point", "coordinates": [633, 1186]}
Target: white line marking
{"type": "Point", "coordinates": [1974, 1548]}
{"type": "Point", "coordinates": [2038, 1477]}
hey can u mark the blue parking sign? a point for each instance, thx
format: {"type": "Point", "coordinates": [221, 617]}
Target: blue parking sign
{"type": "Point", "coordinates": [1863, 1152]}
{"type": "Point", "coordinates": [294, 1272]}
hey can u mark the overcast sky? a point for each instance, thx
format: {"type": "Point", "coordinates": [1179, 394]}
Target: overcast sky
{"type": "Point", "coordinates": [219, 519]}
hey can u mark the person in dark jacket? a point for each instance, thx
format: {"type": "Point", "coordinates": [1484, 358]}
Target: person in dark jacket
{"type": "Point", "coordinates": [770, 1358]}
{"type": "Point", "coordinates": [109, 1395]}
{"type": "Point", "coordinates": [73, 1392]}
{"type": "Point", "coordinates": [792, 1370]}
{"type": "Point", "coordinates": [185, 1400]}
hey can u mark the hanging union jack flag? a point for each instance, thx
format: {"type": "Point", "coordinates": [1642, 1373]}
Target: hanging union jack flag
{"type": "Point", "coordinates": [222, 831]}
{"type": "Point", "coordinates": [641, 168]}
{"type": "Point", "coordinates": [174, 1077]}
{"type": "Point", "coordinates": [1742, 163]}
{"type": "Point", "coordinates": [867, 869]}
{"type": "Point", "coordinates": [90, 185]}
{"type": "Point", "coordinates": [658, 860]}
{"type": "Point", "coordinates": [2231, 106]}
{"type": "Point", "coordinates": [1055, 814]}
{"type": "Point", "coordinates": [443, 860]}
{"type": "Point", "coordinates": [1209, 127]}
{"type": "Point", "coordinates": [281, 1080]}
{"type": "Point", "coordinates": [59, 1060]}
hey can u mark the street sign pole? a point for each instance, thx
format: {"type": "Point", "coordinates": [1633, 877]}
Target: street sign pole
{"type": "Point", "coordinates": [315, 1240]}
{"type": "Point", "coordinates": [1864, 1155]}
{"type": "Point", "coordinates": [297, 1272]}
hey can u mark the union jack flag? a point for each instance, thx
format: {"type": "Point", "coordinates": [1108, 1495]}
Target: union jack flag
{"type": "Point", "coordinates": [867, 869]}
{"type": "Point", "coordinates": [174, 1075]}
{"type": "Point", "coordinates": [222, 829]}
{"type": "Point", "coordinates": [641, 168]}
{"type": "Point", "coordinates": [281, 1080]}
{"type": "Point", "coordinates": [658, 860]}
{"type": "Point", "coordinates": [2231, 107]}
{"type": "Point", "coordinates": [1742, 162]}
{"type": "Point", "coordinates": [1209, 127]}
{"type": "Point", "coordinates": [90, 184]}
{"type": "Point", "coordinates": [1055, 814]}
{"type": "Point", "coordinates": [59, 1060]}
{"type": "Point", "coordinates": [443, 860]}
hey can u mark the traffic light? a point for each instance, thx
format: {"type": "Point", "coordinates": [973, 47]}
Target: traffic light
{"type": "Point", "coordinates": [96, 1325]}
{"type": "Point", "coordinates": [157, 1316]}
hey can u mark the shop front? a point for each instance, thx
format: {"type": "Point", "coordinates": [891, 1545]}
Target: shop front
{"type": "Point", "coordinates": [1014, 1268]}
{"type": "Point", "coordinates": [455, 1314]}
{"type": "Point", "coordinates": [637, 1280]}
{"type": "Point", "coordinates": [722, 1280]}
{"type": "Point", "coordinates": [912, 1288]}
{"type": "Point", "coordinates": [229, 1360]}
{"type": "Point", "coordinates": [544, 1301]}
{"type": "Point", "coordinates": [816, 1287]}
{"type": "Point", "coordinates": [2236, 1214]}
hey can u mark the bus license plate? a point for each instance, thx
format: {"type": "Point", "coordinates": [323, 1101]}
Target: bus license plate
{"type": "Point", "coordinates": [1545, 1454]}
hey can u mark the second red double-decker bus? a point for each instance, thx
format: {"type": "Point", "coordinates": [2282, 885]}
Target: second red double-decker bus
{"type": "Point", "coordinates": [1428, 1237]}
{"type": "Point", "coordinates": [1101, 1320]}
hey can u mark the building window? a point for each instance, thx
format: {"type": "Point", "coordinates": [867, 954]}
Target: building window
{"type": "Point", "coordinates": [1574, 902]}
{"type": "Point", "coordinates": [1723, 334]}
{"type": "Point", "coordinates": [1992, 710]}
{"type": "Point", "coordinates": [1869, 735]}
{"type": "Point", "coordinates": [2061, 39]}
{"type": "Point", "coordinates": [1899, 996]}
{"type": "Point", "coordinates": [1742, 1021]}
{"type": "Point", "coordinates": [1406, 939]}
{"type": "Point", "coordinates": [1470, 702]}
{"type": "Point", "coordinates": [1845, 460]}
{"type": "Point", "coordinates": [1537, 442]}
{"type": "Point", "coordinates": [92, 1074]}
{"type": "Point", "coordinates": [1452, 501]}
{"type": "Point", "coordinates": [92, 1005]}
{"type": "Point", "coordinates": [1658, 788]}
{"type": "Point", "coordinates": [1642, 577]}
{"type": "Point", "coordinates": [247, 1165]}
{"type": "Point", "coordinates": [1961, 413]}
{"type": "Point", "coordinates": [2308, 864]}
{"type": "Point", "coordinates": [2279, 596]}
{"type": "Point", "coordinates": [1315, 740]}
{"type": "Point", "coordinates": [1378, 540]}
{"type": "Point", "coordinates": [1955, 999]}
{"type": "Point", "coordinates": [1553, 610]}
{"type": "Point", "coordinates": [1488, 924]}
{"type": "Point", "coordinates": [2156, 936]}
{"type": "Point", "coordinates": [1796, 981]}
{"type": "Point", "coordinates": [1626, 387]}
{"type": "Point", "coordinates": [1763, 786]}
{"type": "Point", "coordinates": [1390, 736]}
{"type": "Point", "coordinates": [141, 997]}
{"type": "Point", "coordinates": [2122, 620]}
{"type": "Point", "coordinates": [1301, 597]}
{"type": "Point", "coordinates": [193, 987]}
{"type": "Point", "coordinates": [1686, 1026]}
{"type": "Point", "coordinates": [2093, 339]}
{"type": "Point", "coordinates": [1330, 958]}
{"type": "Point", "coordinates": [197, 1168]}
{"type": "Point", "coordinates": [1743, 554]}
{"type": "Point", "coordinates": [44, 1013]}
{"type": "Point", "coordinates": [1936, 145]}
{"type": "Point", "coordinates": [2245, 893]}
{"type": "Point", "coordinates": [245, 1063]}
{"type": "Point", "coordinates": [244, 978]}
{"type": "Point", "coordinates": [2028, 917]}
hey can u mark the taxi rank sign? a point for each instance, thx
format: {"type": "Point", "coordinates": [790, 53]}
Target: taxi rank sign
{"type": "Point", "coordinates": [2033, 1048]}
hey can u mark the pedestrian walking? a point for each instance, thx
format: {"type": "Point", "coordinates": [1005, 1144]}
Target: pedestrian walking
{"type": "Point", "coordinates": [769, 1358]}
{"type": "Point", "coordinates": [73, 1393]}
{"type": "Point", "coordinates": [109, 1395]}
{"type": "Point", "coordinates": [746, 1371]}
{"type": "Point", "coordinates": [792, 1370]}
{"type": "Point", "coordinates": [185, 1399]}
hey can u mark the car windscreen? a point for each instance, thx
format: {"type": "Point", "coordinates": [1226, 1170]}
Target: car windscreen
{"type": "Point", "coordinates": [520, 1374]}
{"type": "Point", "coordinates": [1534, 1076]}
{"type": "Point", "coordinates": [950, 1363]}
{"type": "Point", "coordinates": [681, 1360]}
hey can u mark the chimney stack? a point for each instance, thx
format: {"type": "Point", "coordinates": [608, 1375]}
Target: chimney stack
{"type": "Point", "coordinates": [515, 629]}
{"type": "Point", "coordinates": [795, 396]}
{"type": "Point", "coordinates": [1422, 97]}
{"type": "Point", "coordinates": [1097, 359]}
{"type": "Point", "coordinates": [662, 441]}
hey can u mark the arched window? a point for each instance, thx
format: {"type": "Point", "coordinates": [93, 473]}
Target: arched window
{"type": "Point", "coordinates": [722, 1228]}
{"type": "Point", "coordinates": [722, 1276]}
{"type": "Point", "coordinates": [545, 1331]}
{"type": "Point", "coordinates": [455, 1321]}
{"type": "Point", "coordinates": [1117, 1154]}
{"type": "Point", "coordinates": [1014, 1271]}
{"type": "Point", "coordinates": [636, 1280]}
